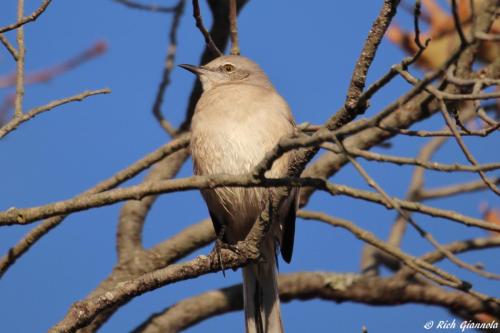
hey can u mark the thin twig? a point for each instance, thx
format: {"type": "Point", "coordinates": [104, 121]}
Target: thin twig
{"type": "Point", "coordinates": [18, 101]}
{"type": "Point", "coordinates": [457, 247]}
{"type": "Point", "coordinates": [488, 37]}
{"type": "Point", "coordinates": [444, 95]}
{"type": "Point", "coordinates": [458, 25]}
{"type": "Point", "coordinates": [478, 79]}
{"type": "Point", "coordinates": [431, 272]}
{"type": "Point", "coordinates": [416, 185]}
{"type": "Point", "coordinates": [14, 123]}
{"type": "Point", "coordinates": [416, 16]}
{"type": "Point", "coordinates": [411, 10]}
{"type": "Point", "coordinates": [220, 34]}
{"type": "Point", "coordinates": [463, 246]}
{"type": "Point", "coordinates": [441, 96]}
{"type": "Point", "coordinates": [167, 70]}
{"type": "Point", "coordinates": [455, 189]}
{"type": "Point", "coordinates": [337, 189]}
{"type": "Point", "coordinates": [299, 141]}
{"type": "Point", "coordinates": [424, 234]}
{"type": "Point", "coordinates": [199, 24]}
{"type": "Point", "coordinates": [150, 8]}
{"type": "Point", "coordinates": [399, 160]}
{"type": "Point", "coordinates": [417, 182]}
{"type": "Point", "coordinates": [233, 13]}
{"type": "Point", "coordinates": [477, 105]}
{"type": "Point", "coordinates": [463, 147]}
{"type": "Point", "coordinates": [391, 74]}
{"type": "Point", "coordinates": [27, 19]}
{"type": "Point", "coordinates": [12, 50]}
{"type": "Point", "coordinates": [426, 134]}
{"type": "Point", "coordinates": [481, 113]}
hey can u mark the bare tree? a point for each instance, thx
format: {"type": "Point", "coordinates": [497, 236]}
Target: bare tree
{"type": "Point", "coordinates": [461, 58]}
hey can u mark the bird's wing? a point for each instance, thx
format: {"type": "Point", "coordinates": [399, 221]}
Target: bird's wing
{"type": "Point", "coordinates": [288, 224]}
{"type": "Point", "coordinates": [218, 227]}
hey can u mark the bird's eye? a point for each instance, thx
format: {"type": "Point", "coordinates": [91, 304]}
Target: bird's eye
{"type": "Point", "coordinates": [228, 68]}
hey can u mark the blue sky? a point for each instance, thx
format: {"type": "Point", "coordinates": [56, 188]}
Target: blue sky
{"type": "Point", "coordinates": [308, 52]}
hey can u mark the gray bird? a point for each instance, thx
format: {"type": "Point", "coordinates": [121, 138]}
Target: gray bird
{"type": "Point", "coordinates": [237, 120]}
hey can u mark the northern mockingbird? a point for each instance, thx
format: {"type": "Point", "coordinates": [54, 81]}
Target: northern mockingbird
{"type": "Point", "coordinates": [237, 120]}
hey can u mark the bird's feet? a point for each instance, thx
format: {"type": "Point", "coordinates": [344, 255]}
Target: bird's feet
{"type": "Point", "coordinates": [217, 252]}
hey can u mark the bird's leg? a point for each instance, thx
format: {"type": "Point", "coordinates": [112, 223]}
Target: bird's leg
{"type": "Point", "coordinates": [221, 243]}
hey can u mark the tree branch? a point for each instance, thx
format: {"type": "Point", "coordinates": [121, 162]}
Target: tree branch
{"type": "Point", "coordinates": [21, 51]}
{"type": "Point", "coordinates": [43, 228]}
{"type": "Point", "coordinates": [27, 19]}
{"type": "Point", "coordinates": [305, 286]}
{"type": "Point", "coordinates": [169, 65]}
{"type": "Point", "coordinates": [15, 216]}
{"type": "Point", "coordinates": [233, 13]}
{"type": "Point", "coordinates": [12, 50]}
{"type": "Point", "coordinates": [365, 60]}
{"type": "Point", "coordinates": [199, 24]}
{"type": "Point", "coordinates": [133, 213]}
{"type": "Point", "coordinates": [14, 123]}
{"type": "Point", "coordinates": [150, 8]}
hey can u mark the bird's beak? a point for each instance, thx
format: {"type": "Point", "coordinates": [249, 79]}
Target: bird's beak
{"type": "Point", "coordinates": [193, 69]}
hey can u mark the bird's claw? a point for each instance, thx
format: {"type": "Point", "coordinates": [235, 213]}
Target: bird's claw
{"type": "Point", "coordinates": [217, 251]}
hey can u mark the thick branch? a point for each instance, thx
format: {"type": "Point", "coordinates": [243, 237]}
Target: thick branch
{"type": "Point", "coordinates": [313, 285]}
{"type": "Point", "coordinates": [28, 215]}
{"type": "Point", "coordinates": [82, 313]}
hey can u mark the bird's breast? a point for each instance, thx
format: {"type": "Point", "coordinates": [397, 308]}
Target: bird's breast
{"type": "Point", "coordinates": [228, 145]}
{"type": "Point", "coordinates": [233, 129]}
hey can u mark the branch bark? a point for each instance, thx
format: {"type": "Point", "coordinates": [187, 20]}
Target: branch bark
{"type": "Point", "coordinates": [306, 286]}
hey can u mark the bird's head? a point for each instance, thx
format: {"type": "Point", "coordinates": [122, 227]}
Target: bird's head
{"type": "Point", "coordinates": [228, 70]}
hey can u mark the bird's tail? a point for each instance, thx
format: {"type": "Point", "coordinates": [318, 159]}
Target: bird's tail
{"type": "Point", "coordinates": [260, 291]}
